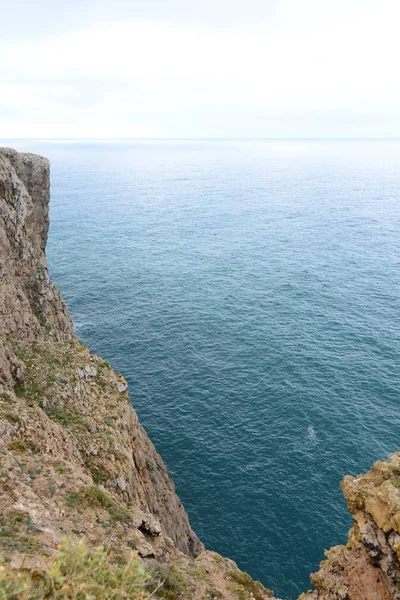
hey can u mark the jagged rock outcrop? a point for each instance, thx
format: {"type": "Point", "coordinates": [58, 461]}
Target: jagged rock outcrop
{"type": "Point", "coordinates": [75, 460]}
{"type": "Point", "coordinates": [368, 567]}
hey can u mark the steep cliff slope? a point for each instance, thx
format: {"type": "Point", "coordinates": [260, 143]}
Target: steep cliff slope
{"type": "Point", "coordinates": [75, 461]}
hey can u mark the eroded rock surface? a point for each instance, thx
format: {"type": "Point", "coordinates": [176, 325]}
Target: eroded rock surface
{"type": "Point", "coordinates": [368, 567]}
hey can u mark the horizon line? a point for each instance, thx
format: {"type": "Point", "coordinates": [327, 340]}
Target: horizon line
{"type": "Point", "coordinates": [225, 139]}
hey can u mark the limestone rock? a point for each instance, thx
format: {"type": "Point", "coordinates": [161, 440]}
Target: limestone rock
{"type": "Point", "coordinates": [122, 386]}
{"type": "Point", "coordinates": [368, 566]}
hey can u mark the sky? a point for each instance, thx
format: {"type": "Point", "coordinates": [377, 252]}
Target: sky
{"type": "Point", "coordinates": [199, 68]}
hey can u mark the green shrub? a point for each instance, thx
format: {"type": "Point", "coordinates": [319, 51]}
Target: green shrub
{"type": "Point", "coordinates": [99, 472]}
{"type": "Point", "coordinates": [165, 582]}
{"type": "Point", "coordinates": [11, 415]}
{"type": "Point", "coordinates": [76, 572]}
{"type": "Point", "coordinates": [18, 445]}
{"type": "Point", "coordinates": [67, 419]}
{"type": "Point", "coordinates": [246, 585]}
{"type": "Point", "coordinates": [213, 594]}
{"type": "Point", "coordinates": [96, 497]}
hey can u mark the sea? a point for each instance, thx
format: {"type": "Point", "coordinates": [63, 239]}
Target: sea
{"type": "Point", "coordinates": [249, 291]}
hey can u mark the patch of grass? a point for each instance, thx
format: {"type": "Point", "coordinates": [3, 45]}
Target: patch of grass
{"type": "Point", "coordinates": [4, 532]}
{"type": "Point", "coordinates": [11, 415]}
{"type": "Point", "coordinates": [396, 483]}
{"type": "Point", "coordinates": [197, 571]}
{"type": "Point", "coordinates": [67, 419]}
{"type": "Point", "coordinates": [166, 582]}
{"type": "Point", "coordinates": [15, 516]}
{"type": "Point", "coordinates": [247, 586]}
{"type": "Point", "coordinates": [29, 390]}
{"type": "Point", "coordinates": [120, 513]}
{"type": "Point", "coordinates": [19, 389]}
{"type": "Point", "coordinates": [99, 472]}
{"type": "Point", "coordinates": [76, 572]}
{"type": "Point", "coordinates": [18, 531]}
{"type": "Point", "coordinates": [21, 543]}
{"type": "Point", "coordinates": [22, 446]}
{"type": "Point", "coordinates": [119, 457]}
{"type": "Point", "coordinates": [213, 593]}
{"type": "Point", "coordinates": [74, 498]}
{"type": "Point", "coordinates": [95, 497]}
{"type": "Point", "coordinates": [18, 446]}
{"type": "Point", "coordinates": [31, 527]}
{"type": "Point", "coordinates": [6, 397]}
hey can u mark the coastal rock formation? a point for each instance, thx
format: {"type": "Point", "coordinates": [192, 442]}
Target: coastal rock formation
{"type": "Point", "coordinates": [368, 567]}
{"type": "Point", "coordinates": [29, 302]}
{"type": "Point", "coordinates": [75, 461]}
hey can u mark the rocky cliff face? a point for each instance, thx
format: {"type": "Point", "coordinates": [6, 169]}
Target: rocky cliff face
{"type": "Point", "coordinates": [29, 302]}
{"type": "Point", "coordinates": [75, 461]}
{"type": "Point", "coordinates": [368, 567]}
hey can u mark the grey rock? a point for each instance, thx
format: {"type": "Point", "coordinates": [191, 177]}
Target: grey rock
{"type": "Point", "coordinates": [122, 386]}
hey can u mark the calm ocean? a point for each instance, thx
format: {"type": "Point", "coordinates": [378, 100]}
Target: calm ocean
{"type": "Point", "coordinates": [250, 293]}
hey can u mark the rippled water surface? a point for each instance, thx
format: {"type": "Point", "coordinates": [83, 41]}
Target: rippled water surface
{"type": "Point", "coordinates": [249, 292]}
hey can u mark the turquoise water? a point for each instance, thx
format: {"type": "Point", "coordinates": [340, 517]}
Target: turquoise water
{"type": "Point", "coordinates": [250, 293]}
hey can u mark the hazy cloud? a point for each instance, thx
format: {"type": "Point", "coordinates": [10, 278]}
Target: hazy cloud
{"type": "Point", "coordinates": [156, 69]}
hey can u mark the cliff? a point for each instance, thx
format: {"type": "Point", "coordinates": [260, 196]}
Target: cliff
{"type": "Point", "coordinates": [368, 567]}
{"type": "Point", "coordinates": [77, 465]}
{"type": "Point", "coordinates": [75, 461]}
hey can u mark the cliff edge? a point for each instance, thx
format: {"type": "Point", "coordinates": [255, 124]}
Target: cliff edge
{"type": "Point", "coordinates": [75, 461]}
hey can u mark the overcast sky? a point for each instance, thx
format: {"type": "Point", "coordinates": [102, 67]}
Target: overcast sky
{"type": "Point", "coordinates": [199, 68]}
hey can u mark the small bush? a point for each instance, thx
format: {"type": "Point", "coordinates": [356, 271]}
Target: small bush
{"type": "Point", "coordinates": [18, 446]}
{"type": "Point", "coordinates": [5, 532]}
{"type": "Point", "coordinates": [213, 594]}
{"type": "Point", "coordinates": [99, 472]}
{"type": "Point", "coordinates": [120, 513]}
{"type": "Point", "coordinates": [11, 415]}
{"type": "Point", "coordinates": [165, 582]}
{"type": "Point", "coordinates": [76, 572]}
{"type": "Point", "coordinates": [74, 498]}
{"type": "Point", "coordinates": [67, 419]}
{"type": "Point", "coordinates": [249, 586]}
{"type": "Point", "coordinates": [96, 497]}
